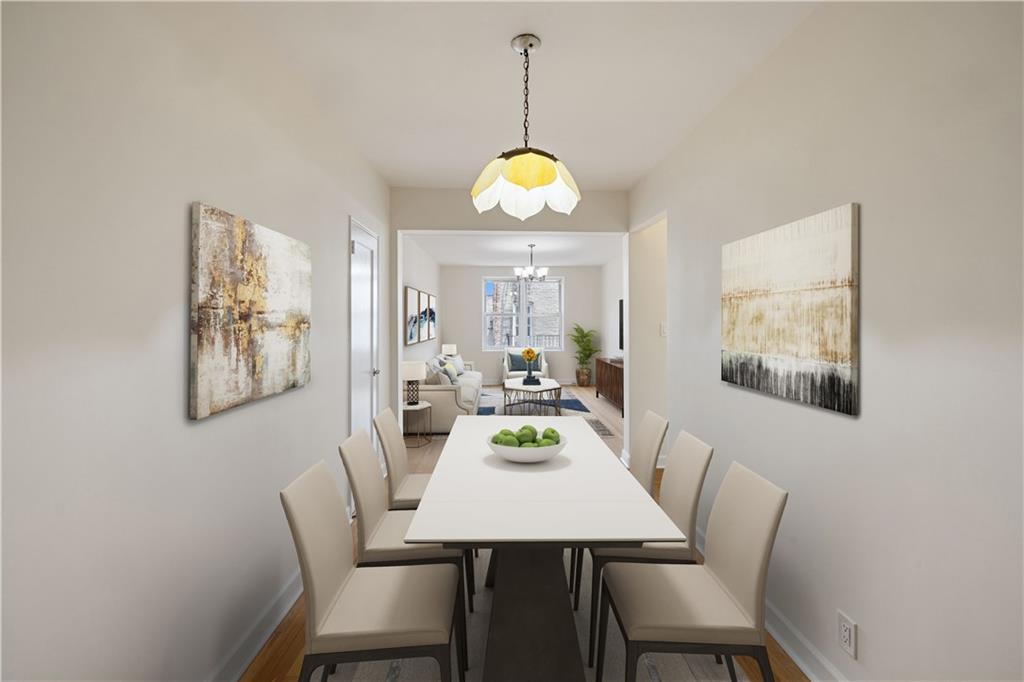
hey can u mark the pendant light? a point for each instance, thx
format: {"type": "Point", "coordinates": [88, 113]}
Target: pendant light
{"type": "Point", "coordinates": [531, 273]}
{"type": "Point", "coordinates": [522, 180]}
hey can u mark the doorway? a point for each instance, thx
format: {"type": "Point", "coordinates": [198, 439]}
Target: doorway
{"type": "Point", "coordinates": [364, 367]}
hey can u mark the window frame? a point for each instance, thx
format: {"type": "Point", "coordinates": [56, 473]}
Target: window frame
{"type": "Point", "coordinates": [522, 319]}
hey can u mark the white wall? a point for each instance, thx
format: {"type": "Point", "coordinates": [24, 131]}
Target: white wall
{"type": "Point", "coordinates": [420, 270]}
{"type": "Point", "coordinates": [138, 544]}
{"type": "Point", "coordinates": [647, 306]}
{"type": "Point", "coordinates": [461, 305]}
{"type": "Point", "coordinates": [611, 292]}
{"type": "Point", "coordinates": [909, 517]}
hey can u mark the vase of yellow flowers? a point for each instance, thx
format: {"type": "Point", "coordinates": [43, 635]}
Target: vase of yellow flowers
{"type": "Point", "coordinates": [530, 355]}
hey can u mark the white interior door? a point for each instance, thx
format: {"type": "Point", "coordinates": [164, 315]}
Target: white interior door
{"type": "Point", "coordinates": [363, 317]}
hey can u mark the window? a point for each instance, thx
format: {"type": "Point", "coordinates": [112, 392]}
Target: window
{"type": "Point", "coordinates": [509, 322]}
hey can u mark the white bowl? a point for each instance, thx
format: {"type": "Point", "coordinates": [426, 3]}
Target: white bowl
{"type": "Point", "coordinates": [527, 455]}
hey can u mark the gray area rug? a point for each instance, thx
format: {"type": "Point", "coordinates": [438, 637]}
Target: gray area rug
{"type": "Point", "coordinates": [652, 668]}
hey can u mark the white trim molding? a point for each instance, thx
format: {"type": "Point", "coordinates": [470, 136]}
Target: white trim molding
{"type": "Point", "coordinates": [235, 664]}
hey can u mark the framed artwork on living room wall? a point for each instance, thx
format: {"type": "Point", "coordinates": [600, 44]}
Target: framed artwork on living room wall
{"type": "Point", "coordinates": [424, 314]}
{"type": "Point", "coordinates": [412, 316]}
{"type": "Point", "coordinates": [431, 317]}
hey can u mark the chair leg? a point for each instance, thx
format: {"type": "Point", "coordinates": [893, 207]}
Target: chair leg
{"type": "Point", "coordinates": [718, 659]}
{"type": "Point", "coordinates": [572, 568]}
{"type": "Point", "coordinates": [595, 598]}
{"type": "Point", "coordinates": [765, 665]}
{"type": "Point", "coordinates": [632, 660]}
{"type": "Point", "coordinates": [306, 674]}
{"type": "Point", "coordinates": [476, 552]}
{"type": "Point", "coordinates": [333, 668]}
{"type": "Point", "coordinates": [444, 660]}
{"type": "Point", "coordinates": [578, 580]}
{"type": "Point", "coordinates": [602, 634]}
{"type": "Point", "coordinates": [467, 561]}
{"type": "Point", "coordinates": [461, 635]}
{"type": "Point", "coordinates": [732, 668]}
{"type": "Point", "coordinates": [325, 674]}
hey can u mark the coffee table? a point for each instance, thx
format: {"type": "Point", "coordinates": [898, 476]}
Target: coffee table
{"type": "Point", "coordinates": [534, 400]}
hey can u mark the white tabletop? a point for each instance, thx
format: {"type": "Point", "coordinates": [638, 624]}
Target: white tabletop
{"type": "Point", "coordinates": [583, 495]}
{"type": "Point", "coordinates": [544, 385]}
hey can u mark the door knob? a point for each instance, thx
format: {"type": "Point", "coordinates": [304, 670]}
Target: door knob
{"type": "Point", "coordinates": [376, 371]}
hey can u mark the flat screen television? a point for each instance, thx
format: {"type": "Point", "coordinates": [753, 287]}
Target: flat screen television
{"type": "Point", "coordinates": [621, 344]}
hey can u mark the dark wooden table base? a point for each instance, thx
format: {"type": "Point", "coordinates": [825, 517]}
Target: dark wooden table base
{"type": "Point", "coordinates": [532, 633]}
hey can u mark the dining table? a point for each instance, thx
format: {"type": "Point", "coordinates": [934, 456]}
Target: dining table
{"type": "Point", "coordinates": [527, 514]}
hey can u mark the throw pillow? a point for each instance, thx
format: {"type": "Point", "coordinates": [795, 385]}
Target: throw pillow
{"type": "Point", "coordinates": [460, 365]}
{"type": "Point", "coordinates": [449, 369]}
{"type": "Point", "coordinates": [516, 363]}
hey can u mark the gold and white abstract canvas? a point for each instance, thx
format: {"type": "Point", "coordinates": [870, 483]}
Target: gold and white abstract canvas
{"type": "Point", "coordinates": [251, 300]}
{"type": "Point", "coordinates": [790, 299]}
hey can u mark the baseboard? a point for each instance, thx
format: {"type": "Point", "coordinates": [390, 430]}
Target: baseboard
{"type": "Point", "coordinates": [805, 655]}
{"type": "Point", "coordinates": [243, 654]}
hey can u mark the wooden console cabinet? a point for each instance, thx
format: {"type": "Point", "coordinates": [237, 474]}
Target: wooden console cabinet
{"type": "Point", "coordinates": [609, 381]}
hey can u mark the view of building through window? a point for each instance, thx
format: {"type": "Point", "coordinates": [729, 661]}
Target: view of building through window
{"type": "Point", "coordinates": [507, 322]}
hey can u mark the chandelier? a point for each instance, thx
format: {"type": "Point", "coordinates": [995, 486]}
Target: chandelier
{"type": "Point", "coordinates": [522, 180]}
{"type": "Point", "coordinates": [531, 273]}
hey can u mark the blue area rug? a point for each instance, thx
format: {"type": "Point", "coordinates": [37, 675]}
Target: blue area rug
{"type": "Point", "coordinates": [490, 402]}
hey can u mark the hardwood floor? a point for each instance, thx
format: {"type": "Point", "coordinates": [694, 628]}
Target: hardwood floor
{"type": "Point", "coordinates": [280, 659]}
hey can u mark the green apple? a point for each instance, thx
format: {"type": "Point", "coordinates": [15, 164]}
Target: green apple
{"type": "Point", "coordinates": [525, 436]}
{"type": "Point", "coordinates": [496, 438]}
{"type": "Point", "coordinates": [509, 441]}
{"type": "Point", "coordinates": [528, 444]}
{"type": "Point", "coordinates": [552, 435]}
{"type": "Point", "coordinates": [545, 442]}
{"type": "Point", "coordinates": [507, 432]}
{"type": "Point", "coordinates": [532, 429]}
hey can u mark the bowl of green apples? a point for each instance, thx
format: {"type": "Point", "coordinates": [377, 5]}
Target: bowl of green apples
{"type": "Point", "coordinates": [527, 445]}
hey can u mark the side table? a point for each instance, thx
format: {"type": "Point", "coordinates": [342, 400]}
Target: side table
{"type": "Point", "coordinates": [423, 413]}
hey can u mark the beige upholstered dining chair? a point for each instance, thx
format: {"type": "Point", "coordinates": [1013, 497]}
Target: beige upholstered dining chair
{"type": "Point", "coordinates": [642, 464]}
{"type": "Point", "coordinates": [404, 489]}
{"type": "Point", "coordinates": [380, 533]}
{"type": "Point", "coordinates": [712, 608]}
{"type": "Point", "coordinates": [643, 460]}
{"type": "Point", "coordinates": [372, 613]}
{"type": "Point", "coordinates": [685, 470]}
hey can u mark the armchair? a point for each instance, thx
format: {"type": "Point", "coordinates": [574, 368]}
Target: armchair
{"type": "Point", "coordinates": [506, 373]}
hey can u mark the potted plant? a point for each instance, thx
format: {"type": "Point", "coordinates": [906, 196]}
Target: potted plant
{"type": "Point", "coordinates": [585, 352]}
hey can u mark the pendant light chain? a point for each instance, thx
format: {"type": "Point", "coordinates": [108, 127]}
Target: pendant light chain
{"type": "Point", "coordinates": [526, 98]}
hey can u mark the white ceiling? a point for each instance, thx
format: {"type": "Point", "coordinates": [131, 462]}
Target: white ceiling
{"type": "Point", "coordinates": [431, 92]}
{"type": "Point", "coordinates": [510, 248]}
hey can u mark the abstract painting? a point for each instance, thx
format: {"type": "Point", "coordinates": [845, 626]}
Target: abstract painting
{"type": "Point", "coordinates": [423, 316]}
{"type": "Point", "coordinates": [431, 317]}
{"type": "Point", "coordinates": [790, 299]}
{"type": "Point", "coordinates": [412, 316]}
{"type": "Point", "coordinates": [251, 300]}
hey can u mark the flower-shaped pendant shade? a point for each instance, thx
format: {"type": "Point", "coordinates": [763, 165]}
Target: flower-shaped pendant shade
{"type": "Point", "coordinates": [522, 181]}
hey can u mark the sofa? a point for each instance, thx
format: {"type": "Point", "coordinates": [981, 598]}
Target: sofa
{"type": "Point", "coordinates": [507, 373]}
{"type": "Point", "coordinates": [449, 399]}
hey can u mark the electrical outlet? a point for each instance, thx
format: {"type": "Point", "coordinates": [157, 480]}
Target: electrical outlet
{"type": "Point", "coordinates": [847, 634]}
